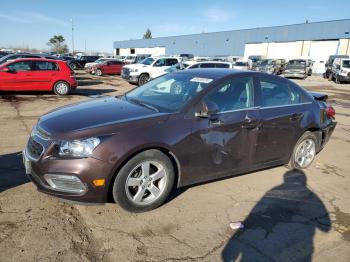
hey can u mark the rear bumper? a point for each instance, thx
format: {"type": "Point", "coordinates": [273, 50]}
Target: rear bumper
{"type": "Point", "coordinates": [324, 135]}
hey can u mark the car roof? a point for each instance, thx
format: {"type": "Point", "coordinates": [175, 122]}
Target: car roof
{"type": "Point", "coordinates": [212, 62]}
{"type": "Point", "coordinates": [34, 59]}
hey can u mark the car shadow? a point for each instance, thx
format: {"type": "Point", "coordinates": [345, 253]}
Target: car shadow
{"type": "Point", "coordinates": [281, 226]}
{"type": "Point", "coordinates": [12, 173]}
{"type": "Point", "coordinates": [89, 83]}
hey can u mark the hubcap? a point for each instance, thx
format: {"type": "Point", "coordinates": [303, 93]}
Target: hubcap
{"type": "Point", "coordinates": [62, 88]}
{"type": "Point", "coordinates": [146, 182]}
{"type": "Point", "coordinates": [305, 153]}
{"type": "Point", "coordinates": [143, 80]}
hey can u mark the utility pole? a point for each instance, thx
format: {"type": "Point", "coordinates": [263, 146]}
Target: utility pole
{"type": "Point", "coordinates": [347, 45]}
{"type": "Point", "coordinates": [85, 47]}
{"type": "Point", "coordinates": [71, 20]}
{"type": "Point", "coordinates": [267, 49]}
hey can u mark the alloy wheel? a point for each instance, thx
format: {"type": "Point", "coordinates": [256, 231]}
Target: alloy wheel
{"type": "Point", "coordinates": [146, 182]}
{"type": "Point", "coordinates": [305, 153]}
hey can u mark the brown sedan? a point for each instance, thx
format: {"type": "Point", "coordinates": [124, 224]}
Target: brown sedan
{"type": "Point", "coordinates": [179, 129]}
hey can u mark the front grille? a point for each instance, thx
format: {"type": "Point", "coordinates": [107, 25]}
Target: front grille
{"type": "Point", "coordinates": [126, 71]}
{"type": "Point", "coordinates": [34, 149]}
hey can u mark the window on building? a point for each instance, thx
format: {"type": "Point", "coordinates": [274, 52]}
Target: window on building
{"type": "Point", "coordinates": [132, 51]}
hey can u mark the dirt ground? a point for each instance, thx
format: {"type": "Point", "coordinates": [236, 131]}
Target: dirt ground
{"type": "Point", "coordinates": [194, 225]}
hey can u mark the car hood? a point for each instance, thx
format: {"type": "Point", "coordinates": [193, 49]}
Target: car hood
{"type": "Point", "coordinates": [82, 117]}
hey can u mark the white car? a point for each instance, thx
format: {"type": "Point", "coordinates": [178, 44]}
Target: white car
{"type": "Point", "coordinates": [209, 64]}
{"type": "Point", "coordinates": [98, 61]}
{"type": "Point", "coordinates": [241, 65]}
{"type": "Point", "coordinates": [151, 67]}
{"type": "Point", "coordinates": [341, 70]}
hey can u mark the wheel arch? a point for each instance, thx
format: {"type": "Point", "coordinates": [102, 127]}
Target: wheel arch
{"type": "Point", "coordinates": [174, 160]}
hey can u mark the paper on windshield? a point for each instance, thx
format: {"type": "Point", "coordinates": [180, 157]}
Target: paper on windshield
{"type": "Point", "coordinates": [201, 80]}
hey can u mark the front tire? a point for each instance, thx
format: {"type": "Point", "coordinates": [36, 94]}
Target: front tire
{"type": "Point", "coordinates": [61, 88]}
{"type": "Point", "coordinates": [99, 72]}
{"type": "Point", "coordinates": [144, 182]}
{"type": "Point", "coordinates": [143, 79]}
{"type": "Point", "coordinates": [336, 79]}
{"type": "Point", "coordinates": [304, 151]}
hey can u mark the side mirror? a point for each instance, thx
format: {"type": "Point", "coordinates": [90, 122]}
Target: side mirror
{"type": "Point", "coordinates": [7, 70]}
{"type": "Point", "coordinates": [208, 109]}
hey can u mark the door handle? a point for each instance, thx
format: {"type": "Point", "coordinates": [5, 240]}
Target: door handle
{"type": "Point", "coordinates": [249, 123]}
{"type": "Point", "coordinates": [296, 117]}
{"type": "Point", "coordinates": [216, 122]}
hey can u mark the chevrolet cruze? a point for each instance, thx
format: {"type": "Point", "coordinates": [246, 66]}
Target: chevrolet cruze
{"type": "Point", "coordinates": [179, 129]}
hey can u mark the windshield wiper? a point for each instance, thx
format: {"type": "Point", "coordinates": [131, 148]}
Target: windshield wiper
{"type": "Point", "coordinates": [138, 102]}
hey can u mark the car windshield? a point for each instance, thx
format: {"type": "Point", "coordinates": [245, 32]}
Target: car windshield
{"type": "Point", "coordinates": [241, 63]}
{"type": "Point", "coordinates": [147, 61]}
{"type": "Point", "coordinates": [297, 62]}
{"type": "Point", "coordinates": [346, 63]}
{"type": "Point", "coordinates": [168, 93]}
{"type": "Point", "coordinates": [265, 62]}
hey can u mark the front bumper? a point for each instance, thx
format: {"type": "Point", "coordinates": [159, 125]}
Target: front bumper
{"type": "Point", "coordinates": [294, 75]}
{"type": "Point", "coordinates": [344, 78]}
{"type": "Point", "coordinates": [130, 78]}
{"type": "Point", "coordinates": [83, 171]}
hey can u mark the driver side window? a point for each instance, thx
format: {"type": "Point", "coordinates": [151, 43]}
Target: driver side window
{"type": "Point", "coordinates": [20, 66]}
{"type": "Point", "coordinates": [235, 94]}
{"type": "Point", "coordinates": [160, 62]}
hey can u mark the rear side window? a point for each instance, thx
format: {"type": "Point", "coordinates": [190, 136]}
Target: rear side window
{"type": "Point", "coordinates": [207, 65]}
{"type": "Point", "coordinates": [21, 66]}
{"type": "Point", "coordinates": [45, 66]}
{"type": "Point", "coordinates": [219, 65]}
{"type": "Point", "coordinates": [171, 62]}
{"type": "Point", "coordinates": [280, 93]}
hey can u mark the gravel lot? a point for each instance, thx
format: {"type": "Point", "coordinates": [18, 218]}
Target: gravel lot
{"type": "Point", "coordinates": [311, 208]}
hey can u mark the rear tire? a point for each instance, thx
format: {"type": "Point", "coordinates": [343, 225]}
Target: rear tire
{"type": "Point", "coordinates": [304, 151]}
{"type": "Point", "coordinates": [61, 88]}
{"type": "Point", "coordinates": [144, 182]}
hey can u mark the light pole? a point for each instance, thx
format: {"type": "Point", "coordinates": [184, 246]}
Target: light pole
{"type": "Point", "coordinates": [71, 20]}
{"type": "Point", "coordinates": [347, 45]}
{"type": "Point", "coordinates": [267, 49]}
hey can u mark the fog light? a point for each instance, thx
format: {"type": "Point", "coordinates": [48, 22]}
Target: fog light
{"type": "Point", "coordinates": [65, 183]}
{"type": "Point", "coordinates": [98, 182]}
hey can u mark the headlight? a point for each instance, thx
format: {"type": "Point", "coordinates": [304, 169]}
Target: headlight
{"type": "Point", "coordinates": [78, 148]}
{"type": "Point", "coordinates": [133, 70]}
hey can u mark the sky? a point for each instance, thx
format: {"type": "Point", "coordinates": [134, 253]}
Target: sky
{"type": "Point", "coordinates": [31, 23]}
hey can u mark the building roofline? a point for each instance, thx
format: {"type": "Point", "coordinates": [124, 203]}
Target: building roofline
{"type": "Point", "coordinates": [236, 30]}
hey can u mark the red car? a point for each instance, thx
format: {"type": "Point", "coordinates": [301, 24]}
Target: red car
{"type": "Point", "coordinates": [108, 68]}
{"type": "Point", "coordinates": [37, 74]}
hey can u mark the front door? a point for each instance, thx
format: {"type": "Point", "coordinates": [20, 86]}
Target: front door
{"type": "Point", "coordinates": [226, 142]}
{"type": "Point", "coordinates": [20, 76]}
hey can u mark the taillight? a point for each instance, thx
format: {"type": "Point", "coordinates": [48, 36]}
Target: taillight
{"type": "Point", "coordinates": [330, 112]}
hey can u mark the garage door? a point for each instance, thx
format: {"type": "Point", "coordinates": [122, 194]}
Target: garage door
{"type": "Point", "coordinates": [253, 49]}
{"type": "Point", "coordinates": [285, 50]}
{"type": "Point", "coordinates": [320, 51]}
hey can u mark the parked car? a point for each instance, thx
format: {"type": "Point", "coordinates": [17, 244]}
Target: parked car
{"type": "Point", "coordinates": [65, 57]}
{"type": "Point", "coordinates": [210, 64]}
{"type": "Point", "coordinates": [136, 148]}
{"type": "Point", "coordinates": [98, 61]}
{"type": "Point", "coordinates": [112, 67]}
{"type": "Point", "coordinates": [241, 65]}
{"type": "Point", "coordinates": [186, 56]}
{"type": "Point", "coordinates": [151, 67]}
{"type": "Point", "coordinates": [329, 64]}
{"type": "Point", "coordinates": [80, 62]}
{"type": "Point", "coordinates": [12, 57]}
{"type": "Point", "coordinates": [341, 70]}
{"type": "Point", "coordinates": [271, 66]}
{"type": "Point", "coordinates": [298, 68]}
{"type": "Point", "coordinates": [253, 60]}
{"type": "Point", "coordinates": [37, 74]}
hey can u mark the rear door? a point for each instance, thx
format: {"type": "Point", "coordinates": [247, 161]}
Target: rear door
{"type": "Point", "coordinates": [43, 74]}
{"type": "Point", "coordinates": [283, 111]}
